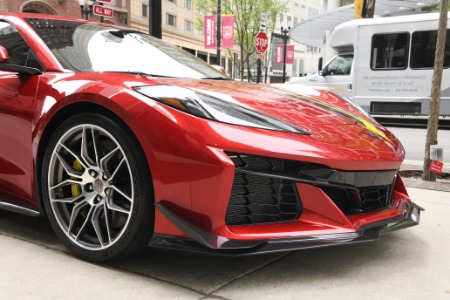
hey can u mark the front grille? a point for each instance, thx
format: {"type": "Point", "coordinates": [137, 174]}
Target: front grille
{"type": "Point", "coordinates": [264, 189]}
{"type": "Point", "coordinates": [360, 200]}
{"type": "Point", "coordinates": [257, 199]}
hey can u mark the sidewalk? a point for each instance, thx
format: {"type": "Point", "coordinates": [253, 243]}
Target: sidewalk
{"type": "Point", "coordinates": [416, 165]}
{"type": "Point", "coordinates": [406, 264]}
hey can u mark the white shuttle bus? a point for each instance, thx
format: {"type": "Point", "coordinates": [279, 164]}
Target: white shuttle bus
{"type": "Point", "coordinates": [386, 65]}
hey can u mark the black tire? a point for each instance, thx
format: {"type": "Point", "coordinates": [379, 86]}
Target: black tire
{"type": "Point", "coordinates": [97, 188]}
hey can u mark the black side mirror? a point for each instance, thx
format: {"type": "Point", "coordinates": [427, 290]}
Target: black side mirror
{"type": "Point", "coordinates": [22, 70]}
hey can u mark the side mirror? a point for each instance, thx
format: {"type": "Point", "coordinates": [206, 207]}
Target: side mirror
{"type": "Point", "coordinates": [4, 57]}
{"type": "Point", "coordinates": [22, 70]}
{"type": "Point", "coordinates": [319, 65]}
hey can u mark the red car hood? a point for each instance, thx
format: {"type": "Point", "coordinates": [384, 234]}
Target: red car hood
{"type": "Point", "coordinates": [306, 112]}
{"type": "Point", "coordinates": [298, 110]}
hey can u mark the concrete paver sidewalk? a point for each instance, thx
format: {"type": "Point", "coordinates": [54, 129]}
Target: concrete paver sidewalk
{"type": "Point", "coordinates": [410, 264]}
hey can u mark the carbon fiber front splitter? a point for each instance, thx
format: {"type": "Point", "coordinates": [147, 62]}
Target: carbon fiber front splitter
{"type": "Point", "coordinates": [205, 242]}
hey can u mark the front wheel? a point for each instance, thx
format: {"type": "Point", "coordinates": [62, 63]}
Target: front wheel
{"type": "Point", "coordinates": [97, 189]}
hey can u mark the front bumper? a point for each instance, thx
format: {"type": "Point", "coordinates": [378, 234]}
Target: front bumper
{"type": "Point", "coordinates": [206, 242]}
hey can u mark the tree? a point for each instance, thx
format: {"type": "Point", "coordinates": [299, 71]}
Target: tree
{"type": "Point", "coordinates": [432, 127]}
{"type": "Point", "coordinates": [247, 15]}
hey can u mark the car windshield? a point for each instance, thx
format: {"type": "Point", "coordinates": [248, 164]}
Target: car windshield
{"type": "Point", "coordinates": [92, 47]}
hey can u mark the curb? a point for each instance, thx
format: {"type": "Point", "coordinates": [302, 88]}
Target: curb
{"type": "Point", "coordinates": [409, 165]}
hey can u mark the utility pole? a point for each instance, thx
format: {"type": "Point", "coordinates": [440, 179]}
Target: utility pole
{"type": "Point", "coordinates": [284, 33]}
{"type": "Point", "coordinates": [433, 117]}
{"type": "Point", "coordinates": [219, 31]}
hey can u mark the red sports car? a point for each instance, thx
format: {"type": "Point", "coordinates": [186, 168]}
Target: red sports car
{"type": "Point", "coordinates": [124, 142]}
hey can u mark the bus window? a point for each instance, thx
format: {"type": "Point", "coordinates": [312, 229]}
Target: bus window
{"type": "Point", "coordinates": [389, 51]}
{"type": "Point", "coordinates": [340, 65]}
{"type": "Point", "coordinates": [423, 47]}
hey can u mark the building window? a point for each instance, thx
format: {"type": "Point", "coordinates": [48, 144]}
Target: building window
{"type": "Point", "coordinates": [188, 25]}
{"type": "Point", "coordinates": [201, 31]}
{"type": "Point", "coordinates": [188, 4]}
{"type": "Point", "coordinates": [171, 20]}
{"type": "Point", "coordinates": [144, 10]}
{"type": "Point", "coordinates": [173, 1]}
{"type": "Point", "coordinates": [389, 51]}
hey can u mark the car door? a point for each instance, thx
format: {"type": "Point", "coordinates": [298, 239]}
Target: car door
{"type": "Point", "coordinates": [17, 97]}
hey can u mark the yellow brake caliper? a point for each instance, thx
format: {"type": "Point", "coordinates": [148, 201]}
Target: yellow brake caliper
{"type": "Point", "coordinates": [76, 188]}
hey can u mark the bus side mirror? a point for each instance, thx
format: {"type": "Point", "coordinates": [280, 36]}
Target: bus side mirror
{"type": "Point", "coordinates": [320, 71]}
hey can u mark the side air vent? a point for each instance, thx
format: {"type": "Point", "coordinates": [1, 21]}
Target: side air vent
{"type": "Point", "coordinates": [257, 199]}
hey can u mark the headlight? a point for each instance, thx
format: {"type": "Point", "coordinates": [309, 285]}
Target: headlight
{"type": "Point", "coordinates": [214, 108]}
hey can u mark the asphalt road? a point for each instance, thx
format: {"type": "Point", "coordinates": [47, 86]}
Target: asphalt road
{"type": "Point", "coordinates": [414, 139]}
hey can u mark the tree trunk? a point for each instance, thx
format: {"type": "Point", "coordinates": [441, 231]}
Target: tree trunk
{"type": "Point", "coordinates": [433, 117]}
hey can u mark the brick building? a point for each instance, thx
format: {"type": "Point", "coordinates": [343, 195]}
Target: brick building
{"type": "Point", "coordinates": [69, 8]}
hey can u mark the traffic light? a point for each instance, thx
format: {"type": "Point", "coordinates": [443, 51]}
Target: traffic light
{"type": "Point", "coordinates": [364, 8]}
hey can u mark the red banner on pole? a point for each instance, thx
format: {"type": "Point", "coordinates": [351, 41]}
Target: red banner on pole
{"type": "Point", "coordinates": [209, 32]}
{"type": "Point", "coordinates": [289, 54]}
{"type": "Point", "coordinates": [227, 32]}
{"type": "Point", "coordinates": [279, 54]}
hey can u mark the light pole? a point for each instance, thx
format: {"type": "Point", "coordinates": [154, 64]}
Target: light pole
{"type": "Point", "coordinates": [284, 32]}
{"type": "Point", "coordinates": [86, 8]}
{"type": "Point", "coordinates": [219, 32]}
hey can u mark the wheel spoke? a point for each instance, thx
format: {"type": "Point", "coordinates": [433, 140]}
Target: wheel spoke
{"type": "Point", "coordinates": [106, 158]}
{"type": "Point", "coordinates": [85, 166]}
{"type": "Point", "coordinates": [76, 212]}
{"type": "Point", "coordinates": [64, 183]}
{"type": "Point", "coordinates": [94, 144]}
{"type": "Point", "coordinates": [117, 169]}
{"type": "Point", "coordinates": [67, 200]}
{"type": "Point", "coordinates": [112, 206]}
{"type": "Point", "coordinates": [67, 167]}
{"type": "Point", "coordinates": [85, 223]}
{"type": "Point", "coordinates": [85, 148]}
{"type": "Point", "coordinates": [122, 193]}
{"type": "Point", "coordinates": [95, 220]}
{"type": "Point", "coordinates": [105, 209]}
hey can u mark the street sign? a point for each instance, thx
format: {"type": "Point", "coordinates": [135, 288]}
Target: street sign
{"type": "Point", "coordinates": [263, 22]}
{"type": "Point", "coordinates": [104, 1]}
{"type": "Point", "coordinates": [262, 42]}
{"type": "Point", "coordinates": [436, 166]}
{"type": "Point", "coordinates": [261, 56]}
{"type": "Point", "coordinates": [103, 11]}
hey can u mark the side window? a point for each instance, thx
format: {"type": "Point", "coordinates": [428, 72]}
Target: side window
{"type": "Point", "coordinates": [389, 51]}
{"type": "Point", "coordinates": [423, 47]}
{"type": "Point", "coordinates": [340, 65]}
{"type": "Point", "coordinates": [18, 50]}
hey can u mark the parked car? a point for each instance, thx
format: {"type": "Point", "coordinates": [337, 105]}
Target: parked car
{"type": "Point", "coordinates": [124, 142]}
